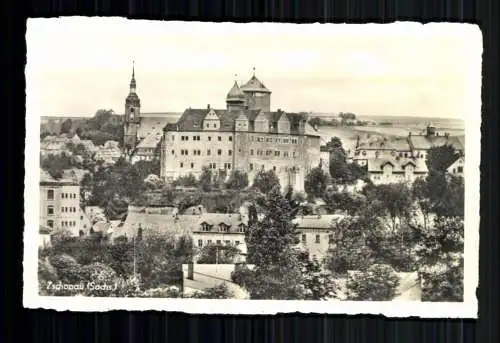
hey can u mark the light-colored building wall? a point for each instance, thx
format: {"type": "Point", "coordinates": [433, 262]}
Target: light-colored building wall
{"type": "Point", "coordinates": [290, 156]}
{"type": "Point", "coordinates": [60, 206]}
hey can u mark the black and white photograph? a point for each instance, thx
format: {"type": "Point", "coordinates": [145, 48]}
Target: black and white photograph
{"type": "Point", "coordinates": [198, 167]}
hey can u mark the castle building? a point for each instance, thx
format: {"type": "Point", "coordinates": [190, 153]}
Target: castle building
{"type": "Point", "coordinates": [246, 136]}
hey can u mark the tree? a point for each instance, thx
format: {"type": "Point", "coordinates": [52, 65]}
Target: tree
{"type": "Point", "coordinates": [441, 157]}
{"type": "Point", "coordinates": [237, 180]}
{"type": "Point", "coordinates": [217, 292]}
{"type": "Point", "coordinates": [316, 182]}
{"type": "Point", "coordinates": [334, 143]}
{"type": "Point", "coordinates": [378, 283]}
{"type": "Point", "coordinates": [396, 200]}
{"type": "Point", "coordinates": [345, 201]}
{"type": "Point", "coordinates": [440, 251]}
{"type": "Point", "coordinates": [441, 194]}
{"type": "Point", "coordinates": [265, 181]}
{"type": "Point", "coordinates": [186, 181]}
{"type": "Point", "coordinates": [271, 248]}
{"type": "Point", "coordinates": [67, 268]}
{"type": "Point", "coordinates": [66, 126]}
{"type": "Point", "coordinates": [146, 168]}
{"type": "Point", "coordinates": [339, 169]}
{"type": "Point", "coordinates": [206, 179]}
{"type": "Point", "coordinates": [349, 249]}
{"type": "Point", "coordinates": [221, 254]}
{"type": "Point", "coordinates": [318, 284]}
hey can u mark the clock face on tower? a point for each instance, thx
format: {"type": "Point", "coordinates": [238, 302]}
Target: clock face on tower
{"type": "Point", "coordinates": [131, 113]}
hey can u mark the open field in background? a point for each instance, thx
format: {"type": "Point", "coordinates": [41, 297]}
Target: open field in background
{"type": "Point", "coordinates": [401, 126]}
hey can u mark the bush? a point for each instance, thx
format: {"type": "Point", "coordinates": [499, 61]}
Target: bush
{"type": "Point", "coordinates": [378, 283]}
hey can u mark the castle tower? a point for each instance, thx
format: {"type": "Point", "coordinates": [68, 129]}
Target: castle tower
{"type": "Point", "coordinates": [235, 99]}
{"type": "Point", "coordinates": [258, 97]}
{"type": "Point", "coordinates": [132, 116]}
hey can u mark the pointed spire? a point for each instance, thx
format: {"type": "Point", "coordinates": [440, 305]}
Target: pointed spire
{"type": "Point", "coordinates": [132, 81]}
{"type": "Point", "coordinates": [254, 71]}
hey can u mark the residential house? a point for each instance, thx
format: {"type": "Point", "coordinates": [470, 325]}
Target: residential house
{"type": "Point", "coordinates": [457, 167]}
{"type": "Point", "coordinates": [395, 170]}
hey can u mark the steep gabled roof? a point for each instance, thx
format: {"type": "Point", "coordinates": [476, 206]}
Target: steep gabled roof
{"type": "Point", "coordinates": [254, 85]}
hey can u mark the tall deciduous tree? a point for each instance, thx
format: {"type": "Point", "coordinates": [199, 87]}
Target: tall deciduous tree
{"type": "Point", "coordinates": [441, 157]}
{"type": "Point", "coordinates": [316, 182]}
{"type": "Point", "coordinates": [378, 283]}
{"type": "Point", "coordinates": [271, 248]}
{"type": "Point", "coordinates": [265, 181]}
{"type": "Point", "coordinates": [237, 180]}
{"type": "Point", "coordinates": [66, 126]}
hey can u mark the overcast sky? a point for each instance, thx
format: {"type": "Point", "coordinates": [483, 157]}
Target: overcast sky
{"type": "Point", "coordinates": [78, 65]}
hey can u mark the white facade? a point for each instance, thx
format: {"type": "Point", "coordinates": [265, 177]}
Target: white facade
{"type": "Point", "coordinates": [60, 205]}
{"type": "Point", "coordinates": [457, 168]}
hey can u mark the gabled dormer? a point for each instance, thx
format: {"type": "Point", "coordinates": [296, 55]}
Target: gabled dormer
{"type": "Point", "coordinates": [387, 167]}
{"type": "Point", "coordinates": [211, 121]}
{"type": "Point", "coordinates": [241, 123]}
{"type": "Point", "coordinates": [284, 124]}
{"type": "Point", "coordinates": [262, 123]}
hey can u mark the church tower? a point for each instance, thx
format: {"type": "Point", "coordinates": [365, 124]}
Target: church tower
{"type": "Point", "coordinates": [132, 116]}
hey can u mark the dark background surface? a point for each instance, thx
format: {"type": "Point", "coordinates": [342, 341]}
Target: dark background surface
{"type": "Point", "coordinates": [23, 325]}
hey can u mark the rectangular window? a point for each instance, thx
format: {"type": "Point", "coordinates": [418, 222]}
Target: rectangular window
{"type": "Point", "coordinates": [50, 223]}
{"type": "Point", "coordinates": [209, 241]}
{"type": "Point", "coordinates": [276, 153]}
{"type": "Point", "coordinates": [285, 154]}
{"type": "Point", "coordinates": [219, 138]}
{"type": "Point", "coordinates": [194, 152]}
{"type": "Point", "coordinates": [200, 243]}
{"type": "Point", "coordinates": [251, 152]}
{"type": "Point", "coordinates": [460, 169]}
{"type": "Point", "coordinates": [304, 238]}
{"type": "Point", "coordinates": [230, 138]}
{"type": "Point", "coordinates": [173, 137]}
{"type": "Point", "coordinates": [218, 242]}
{"type": "Point", "coordinates": [236, 242]}
{"type": "Point", "coordinates": [209, 138]}
{"type": "Point", "coordinates": [182, 165]}
{"type": "Point", "coordinates": [50, 210]}
{"type": "Point", "coordinates": [227, 242]}
{"type": "Point", "coordinates": [50, 194]}
{"type": "Point", "coordinates": [192, 165]}
{"type": "Point", "coordinates": [318, 239]}
{"type": "Point", "coordinates": [251, 166]}
{"type": "Point", "coordinates": [173, 152]}
{"type": "Point", "coordinates": [208, 152]}
{"type": "Point", "coordinates": [230, 152]}
{"type": "Point", "coordinates": [219, 152]}
{"type": "Point", "coordinates": [330, 238]}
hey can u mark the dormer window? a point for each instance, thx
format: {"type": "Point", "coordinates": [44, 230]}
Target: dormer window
{"type": "Point", "coordinates": [223, 227]}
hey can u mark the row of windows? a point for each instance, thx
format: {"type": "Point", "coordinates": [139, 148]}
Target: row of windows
{"type": "Point", "coordinates": [217, 242]}
{"type": "Point", "coordinates": [210, 165]}
{"type": "Point", "coordinates": [198, 138]}
{"type": "Point", "coordinates": [222, 228]}
{"type": "Point", "coordinates": [50, 195]}
{"type": "Point", "coordinates": [258, 139]}
{"type": "Point", "coordinates": [275, 140]}
{"type": "Point", "coordinates": [68, 209]}
{"type": "Point", "coordinates": [68, 223]}
{"type": "Point", "coordinates": [275, 153]}
{"type": "Point", "coordinates": [185, 152]}
{"type": "Point", "coordinates": [318, 238]}
{"type": "Point", "coordinates": [394, 153]}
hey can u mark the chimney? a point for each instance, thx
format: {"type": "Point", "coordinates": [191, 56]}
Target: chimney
{"type": "Point", "coordinates": [190, 275]}
{"type": "Point", "coordinates": [208, 106]}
